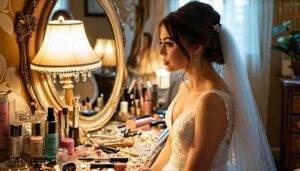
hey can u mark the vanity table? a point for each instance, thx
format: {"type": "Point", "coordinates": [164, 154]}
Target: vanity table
{"type": "Point", "coordinates": [130, 155]}
{"type": "Point", "coordinates": [30, 27]}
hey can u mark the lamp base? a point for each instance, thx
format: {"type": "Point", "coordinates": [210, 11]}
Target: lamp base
{"type": "Point", "coordinates": [68, 87]}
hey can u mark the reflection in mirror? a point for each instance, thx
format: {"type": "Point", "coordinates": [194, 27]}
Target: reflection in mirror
{"type": "Point", "coordinates": [96, 90]}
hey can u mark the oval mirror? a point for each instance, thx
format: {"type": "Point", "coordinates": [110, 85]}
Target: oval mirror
{"type": "Point", "coordinates": [102, 90]}
{"type": "Point", "coordinates": [95, 91]}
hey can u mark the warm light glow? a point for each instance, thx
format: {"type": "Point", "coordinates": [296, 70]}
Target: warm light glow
{"type": "Point", "coordinates": [65, 49]}
{"type": "Point", "coordinates": [106, 51]}
{"type": "Point", "coordinates": [163, 78]}
{"type": "Point", "coordinates": [99, 47]}
{"type": "Point", "coordinates": [61, 19]}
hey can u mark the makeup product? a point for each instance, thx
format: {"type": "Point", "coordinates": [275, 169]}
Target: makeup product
{"type": "Point", "coordinates": [156, 123]}
{"type": "Point", "coordinates": [147, 106]}
{"type": "Point", "coordinates": [102, 136]}
{"type": "Point", "coordinates": [74, 130]}
{"type": "Point", "coordinates": [68, 143]}
{"type": "Point", "coordinates": [15, 140]}
{"type": "Point", "coordinates": [40, 116]}
{"type": "Point", "coordinates": [69, 167]}
{"type": "Point", "coordinates": [100, 102]}
{"type": "Point", "coordinates": [144, 128]}
{"type": "Point", "coordinates": [24, 119]}
{"type": "Point", "coordinates": [88, 103]}
{"type": "Point", "coordinates": [83, 105]}
{"type": "Point", "coordinates": [65, 122]}
{"type": "Point", "coordinates": [76, 108]}
{"type": "Point", "coordinates": [51, 137]}
{"type": "Point", "coordinates": [154, 98]}
{"type": "Point", "coordinates": [116, 166]}
{"type": "Point", "coordinates": [138, 109]}
{"type": "Point", "coordinates": [60, 122]}
{"type": "Point", "coordinates": [131, 86]}
{"type": "Point", "coordinates": [134, 124]}
{"type": "Point", "coordinates": [132, 107]}
{"type": "Point", "coordinates": [140, 117]}
{"type": "Point", "coordinates": [36, 141]}
{"type": "Point", "coordinates": [4, 125]}
{"type": "Point", "coordinates": [111, 159]}
{"type": "Point", "coordinates": [111, 149]}
{"type": "Point", "coordinates": [120, 144]}
{"type": "Point", "coordinates": [131, 134]}
{"type": "Point", "coordinates": [124, 107]}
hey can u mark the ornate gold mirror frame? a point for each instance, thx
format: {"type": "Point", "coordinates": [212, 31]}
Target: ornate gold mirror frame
{"type": "Point", "coordinates": [30, 27]}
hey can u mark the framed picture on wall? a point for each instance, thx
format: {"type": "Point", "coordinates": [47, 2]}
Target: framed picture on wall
{"type": "Point", "coordinates": [93, 8]}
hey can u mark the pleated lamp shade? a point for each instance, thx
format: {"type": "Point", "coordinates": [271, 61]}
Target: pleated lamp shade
{"type": "Point", "coordinates": [106, 51]}
{"type": "Point", "coordinates": [65, 50]}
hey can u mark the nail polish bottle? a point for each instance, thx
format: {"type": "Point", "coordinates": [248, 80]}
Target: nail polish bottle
{"type": "Point", "coordinates": [51, 138]}
{"type": "Point", "coordinates": [15, 140]}
{"type": "Point", "coordinates": [36, 141]}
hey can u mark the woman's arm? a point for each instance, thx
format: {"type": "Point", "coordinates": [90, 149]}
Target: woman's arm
{"type": "Point", "coordinates": [210, 127]}
{"type": "Point", "coordinates": [163, 156]}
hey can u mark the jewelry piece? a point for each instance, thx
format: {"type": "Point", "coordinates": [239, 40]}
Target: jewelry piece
{"type": "Point", "coordinates": [217, 27]}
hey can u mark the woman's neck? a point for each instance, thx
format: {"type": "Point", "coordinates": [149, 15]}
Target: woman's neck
{"type": "Point", "coordinates": [202, 78]}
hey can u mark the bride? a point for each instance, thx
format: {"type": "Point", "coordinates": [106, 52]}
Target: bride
{"type": "Point", "coordinates": [213, 121]}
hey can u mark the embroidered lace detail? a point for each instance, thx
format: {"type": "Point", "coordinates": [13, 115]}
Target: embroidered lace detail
{"type": "Point", "coordinates": [182, 132]}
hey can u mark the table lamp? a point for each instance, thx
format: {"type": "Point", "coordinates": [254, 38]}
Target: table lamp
{"type": "Point", "coordinates": [106, 51]}
{"type": "Point", "coordinates": [66, 52]}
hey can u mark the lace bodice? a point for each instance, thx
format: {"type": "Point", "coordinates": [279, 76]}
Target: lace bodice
{"type": "Point", "coordinates": [182, 131]}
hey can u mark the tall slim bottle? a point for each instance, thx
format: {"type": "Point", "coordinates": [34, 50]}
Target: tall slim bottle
{"type": "Point", "coordinates": [51, 137]}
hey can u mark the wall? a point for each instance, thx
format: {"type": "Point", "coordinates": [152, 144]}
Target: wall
{"type": "Point", "coordinates": [10, 78]}
{"type": "Point", "coordinates": [283, 10]}
{"type": "Point", "coordinates": [95, 26]}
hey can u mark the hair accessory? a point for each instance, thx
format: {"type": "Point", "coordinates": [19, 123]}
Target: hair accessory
{"type": "Point", "coordinates": [217, 27]}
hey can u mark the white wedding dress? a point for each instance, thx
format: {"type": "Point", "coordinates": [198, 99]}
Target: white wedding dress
{"type": "Point", "coordinates": [182, 132]}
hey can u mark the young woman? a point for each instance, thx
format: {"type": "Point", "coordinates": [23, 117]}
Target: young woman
{"type": "Point", "coordinates": [213, 120]}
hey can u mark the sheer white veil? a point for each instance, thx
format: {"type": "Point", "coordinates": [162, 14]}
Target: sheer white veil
{"type": "Point", "coordinates": [249, 147]}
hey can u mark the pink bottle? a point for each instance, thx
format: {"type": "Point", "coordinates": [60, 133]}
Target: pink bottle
{"type": "Point", "coordinates": [36, 141]}
{"type": "Point", "coordinates": [4, 133]}
{"type": "Point", "coordinates": [68, 143]}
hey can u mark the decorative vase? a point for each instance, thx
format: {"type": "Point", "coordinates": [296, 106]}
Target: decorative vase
{"type": "Point", "coordinates": [296, 68]}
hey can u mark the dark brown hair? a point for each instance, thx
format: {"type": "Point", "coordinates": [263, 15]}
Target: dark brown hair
{"type": "Point", "coordinates": [194, 22]}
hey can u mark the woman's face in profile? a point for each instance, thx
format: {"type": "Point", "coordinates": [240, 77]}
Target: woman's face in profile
{"type": "Point", "coordinates": [173, 59]}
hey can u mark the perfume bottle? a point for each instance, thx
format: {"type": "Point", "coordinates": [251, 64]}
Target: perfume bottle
{"type": "Point", "coordinates": [40, 116]}
{"type": "Point", "coordinates": [24, 119]}
{"type": "Point", "coordinates": [36, 141]}
{"type": "Point", "coordinates": [51, 138]}
{"type": "Point", "coordinates": [4, 125]}
{"type": "Point", "coordinates": [15, 140]}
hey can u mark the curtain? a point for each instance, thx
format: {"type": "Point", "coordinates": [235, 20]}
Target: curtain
{"type": "Point", "coordinates": [250, 22]}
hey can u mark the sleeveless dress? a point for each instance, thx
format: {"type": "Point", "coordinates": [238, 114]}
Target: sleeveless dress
{"type": "Point", "coordinates": [182, 131]}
